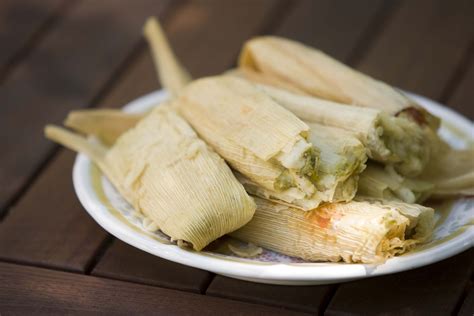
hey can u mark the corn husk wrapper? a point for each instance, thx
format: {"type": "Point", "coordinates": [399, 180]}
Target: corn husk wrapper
{"type": "Point", "coordinates": [384, 182]}
{"type": "Point", "coordinates": [233, 107]}
{"type": "Point", "coordinates": [105, 124]}
{"type": "Point", "coordinates": [358, 231]}
{"type": "Point", "coordinates": [320, 75]}
{"type": "Point", "coordinates": [264, 79]}
{"type": "Point", "coordinates": [170, 175]}
{"type": "Point", "coordinates": [388, 139]}
{"type": "Point", "coordinates": [255, 135]}
{"type": "Point", "coordinates": [452, 172]}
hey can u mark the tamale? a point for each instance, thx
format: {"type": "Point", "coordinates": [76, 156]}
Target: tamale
{"type": "Point", "coordinates": [320, 75]}
{"type": "Point", "coordinates": [388, 139]}
{"type": "Point", "coordinates": [342, 159]}
{"type": "Point", "coordinates": [354, 232]}
{"type": "Point", "coordinates": [384, 182]}
{"type": "Point", "coordinates": [255, 135]}
{"type": "Point", "coordinates": [166, 172]}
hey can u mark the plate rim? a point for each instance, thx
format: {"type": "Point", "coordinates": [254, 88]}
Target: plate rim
{"type": "Point", "coordinates": [280, 273]}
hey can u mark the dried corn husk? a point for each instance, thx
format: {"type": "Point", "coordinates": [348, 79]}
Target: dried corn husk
{"type": "Point", "coordinates": [452, 172]}
{"type": "Point", "coordinates": [255, 135]}
{"type": "Point", "coordinates": [262, 78]}
{"type": "Point", "coordinates": [320, 75]}
{"type": "Point", "coordinates": [172, 75]}
{"type": "Point", "coordinates": [245, 251]}
{"type": "Point", "coordinates": [166, 172]}
{"type": "Point", "coordinates": [357, 231]}
{"type": "Point", "coordinates": [384, 182]}
{"type": "Point", "coordinates": [388, 139]}
{"type": "Point", "coordinates": [105, 124]}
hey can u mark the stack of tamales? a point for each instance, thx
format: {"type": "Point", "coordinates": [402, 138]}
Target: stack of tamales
{"type": "Point", "coordinates": [293, 151]}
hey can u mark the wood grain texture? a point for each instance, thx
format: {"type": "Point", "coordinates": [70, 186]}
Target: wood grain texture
{"type": "Point", "coordinates": [300, 298]}
{"type": "Point", "coordinates": [20, 22]}
{"type": "Point", "coordinates": [431, 290]}
{"type": "Point", "coordinates": [124, 262]}
{"type": "Point", "coordinates": [137, 79]}
{"type": "Point", "coordinates": [421, 45]}
{"type": "Point", "coordinates": [463, 96]}
{"type": "Point", "coordinates": [67, 70]}
{"type": "Point", "coordinates": [467, 307]}
{"type": "Point", "coordinates": [49, 227]}
{"type": "Point", "coordinates": [36, 291]}
{"type": "Point", "coordinates": [335, 27]}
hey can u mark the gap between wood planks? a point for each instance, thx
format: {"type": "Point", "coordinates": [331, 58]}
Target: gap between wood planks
{"type": "Point", "coordinates": [99, 253]}
{"type": "Point", "coordinates": [463, 297]}
{"type": "Point", "coordinates": [35, 38]}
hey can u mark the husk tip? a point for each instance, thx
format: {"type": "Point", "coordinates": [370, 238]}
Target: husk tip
{"type": "Point", "coordinates": [151, 25]}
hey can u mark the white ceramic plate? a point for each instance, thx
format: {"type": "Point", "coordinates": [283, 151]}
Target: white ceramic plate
{"type": "Point", "coordinates": [454, 234]}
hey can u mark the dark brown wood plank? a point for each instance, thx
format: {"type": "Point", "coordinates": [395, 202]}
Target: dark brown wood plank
{"type": "Point", "coordinates": [421, 45]}
{"type": "Point", "coordinates": [300, 298]}
{"type": "Point", "coordinates": [124, 262]}
{"type": "Point", "coordinates": [462, 99]}
{"type": "Point", "coordinates": [207, 35]}
{"type": "Point", "coordinates": [336, 27]}
{"type": "Point", "coordinates": [66, 70]}
{"type": "Point", "coordinates": [138, 79]}
{"type": "Point", "coordinates": [20, 22]}
{"type": "Point", "coordinates": [205, 38]}
{"type": "Point", "coordinates": [467, 307]}
{"type": "Point", "coordinates": [431, 290]}
{"type": "Point", "coordinates": [36, 291]}
{"type": "Point", "coordinates": [204, 35]}
{"type": "Point", "coordinates": [49, 227]}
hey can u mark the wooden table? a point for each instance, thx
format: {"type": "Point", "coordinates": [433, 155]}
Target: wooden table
{"type": "Point", "coordinates": [59, 55]}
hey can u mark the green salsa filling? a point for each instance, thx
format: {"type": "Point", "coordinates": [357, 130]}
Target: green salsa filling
{"type": "Point", "coordinates": [284, 181]}
{"type": "Point", "coordinates": [309, 168]}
